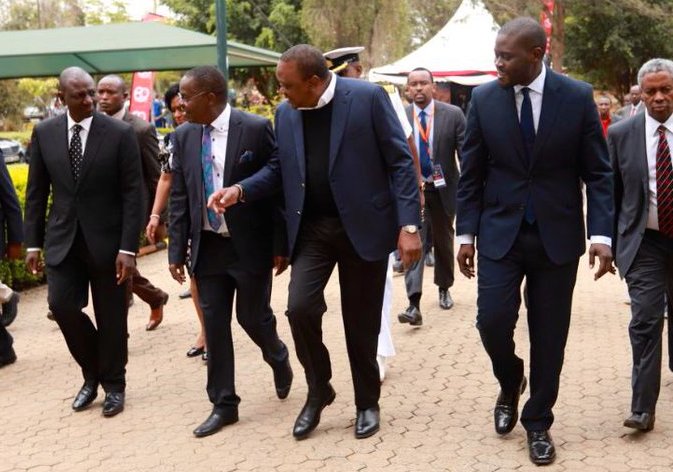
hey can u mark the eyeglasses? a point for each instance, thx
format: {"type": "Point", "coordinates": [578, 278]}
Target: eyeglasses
{"type": "Point", "coordinates": [189, 99]}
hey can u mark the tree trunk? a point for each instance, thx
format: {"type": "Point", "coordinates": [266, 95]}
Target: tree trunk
{"type": "Point", "coordinates": [558, 36]}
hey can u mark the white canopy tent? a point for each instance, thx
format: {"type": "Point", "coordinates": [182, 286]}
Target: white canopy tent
{"type": "Point", "coordinates": [462, 51]}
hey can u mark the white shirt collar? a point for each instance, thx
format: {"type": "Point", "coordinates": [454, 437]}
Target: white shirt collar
{"type": "Point", "coordinates": [120, 114]}
{"type": "Point", "coordinates": [326, 96]}
{"type": "Point", "coordinates": [428, 109]}
{"type": "Point", "coordinates": [536, 85]}
{"type": "Point", "coordinates": [651, 125]}
{"type": "Point", "coordinates": [221, 123]}
{"type": "Point", "coordinates": [85, 123]}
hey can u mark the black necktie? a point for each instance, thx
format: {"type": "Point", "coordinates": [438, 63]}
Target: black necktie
{"type": "Point", "coordinates": [75, 151]}
{"type": "Point", "coordinates": [527, 126]}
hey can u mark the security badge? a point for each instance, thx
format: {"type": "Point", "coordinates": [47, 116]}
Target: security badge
{"type": "Point", "coordinates": [438, 176]}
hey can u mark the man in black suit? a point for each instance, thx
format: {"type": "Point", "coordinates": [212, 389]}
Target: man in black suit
{"type": "Point", "coordinates": [111, 93]}
{"type": "Point", "coordinates": [11, 236]}
{"type": "Point", "coordinates": [439, 129]}
{"type": "Point", "coordinates": [91, 165]}
{"type": "Point", "coordinates": [643, 174]}
{"type": "Point", "coordinates": [230, 255]}
{"type": "Point", "coordinates": [351, 193]}
{"type": "Point", "coordinates": [532, 137]}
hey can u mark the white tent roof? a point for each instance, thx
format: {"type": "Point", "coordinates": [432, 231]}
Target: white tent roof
{"type": "Point", "coordinates": [461, 52]}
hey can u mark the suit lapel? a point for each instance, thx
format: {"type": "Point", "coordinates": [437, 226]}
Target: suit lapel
{"type": "Point", "coordinates": [439, 124]}
{"type": "Point", "coordinates": [639, 150]}
{"type": "Point", "coordinates": [551, 101]}
{"type": "Point", "coordinates": [298, 135]}
{"type": "Point", "coordinates": [341, 105]}
{"type": "Point", "coordinates": [60, 135]}
{"type": "Point", "coordinates": [233, 145]}
{"type": "Point", "coordinates": [93, 142]}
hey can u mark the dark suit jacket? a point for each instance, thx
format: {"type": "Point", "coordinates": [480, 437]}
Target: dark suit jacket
{"type": "Point", "coordinates": [257, 231]}
{"type": "Point", "coordinates": [626, 143]}
{"type": "Point", "coordinates": [448, 135]}
{"type": "Point", "coordinates": [149, 152]}
{"type": "Point", "coordinates": [371, 171]}
{"type": "Point", "coordinates": [11, 221]}
{"type": "Point", "coordinates": [103, 202]}
{"type": "Point", "coordinates": [496, 179]}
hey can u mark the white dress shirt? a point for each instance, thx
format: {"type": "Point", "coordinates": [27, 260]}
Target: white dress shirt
{"type": "Point", "coordinates": [651, 144]}
{"type": "Point", "coordinates": [218, 142]}
{"type": "Point", "coordinates": [429, 118]}
{"type": "Point", "coordinates": [536, 92]}
{"type": "Point", "coordinates": [326, 96]}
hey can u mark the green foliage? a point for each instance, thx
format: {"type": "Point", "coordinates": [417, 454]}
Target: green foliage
{"type": "Point", "coordinates": [97, 12]}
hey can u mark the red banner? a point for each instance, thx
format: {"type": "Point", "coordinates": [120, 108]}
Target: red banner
{"type": "Point", "coordinates": [141, 95]}
{"type": "Point", "coordinates": [546, 20]}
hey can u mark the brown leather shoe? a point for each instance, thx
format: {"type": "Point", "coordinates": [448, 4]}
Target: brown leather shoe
{"type": "Point", "coordinates": [156, 316]}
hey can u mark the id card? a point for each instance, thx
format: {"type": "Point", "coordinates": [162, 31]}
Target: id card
{"type": "Point", "coordinates": [438, 176]}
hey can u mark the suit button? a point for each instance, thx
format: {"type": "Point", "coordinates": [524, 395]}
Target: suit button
{"type": "Point", "coordinates": [298, 212]}
{"type": "Point", "coordinates": [303, 185]}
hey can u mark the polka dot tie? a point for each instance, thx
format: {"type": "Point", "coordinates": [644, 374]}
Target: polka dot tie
{"type": "Point", "coordinates": [75, 151]}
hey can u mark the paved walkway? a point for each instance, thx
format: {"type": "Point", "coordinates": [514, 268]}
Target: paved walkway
{"type": "Point", "coordinates": [436, 402]}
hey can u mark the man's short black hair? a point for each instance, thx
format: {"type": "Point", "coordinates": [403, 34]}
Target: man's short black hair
{"type": "Point", "coordinates": [530, 31]}
{"type": "Point", "coordinates": [418, 69]}
{"type": "Point", "coordinates": [309, 59]}
{"type": "Point", "coordinates": [209, 79]}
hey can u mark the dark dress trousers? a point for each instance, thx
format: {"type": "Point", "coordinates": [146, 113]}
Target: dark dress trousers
{"type": "Point", "coordinates": [440, 202]}
{"type": "Point", "coordinates": [90, 221]}
{"type": "Point", "coordinates": [643, 256]}
{"type": "Point", "coordinates": [239, 264]}
{"type": "Point", "coordinates": [498, 180]}
{"type": "Point", "coordinates": [345, 203]}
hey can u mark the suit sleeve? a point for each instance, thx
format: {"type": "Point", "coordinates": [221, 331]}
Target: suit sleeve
{"type": "Point", "coordinates": [473, 159]}
{"type": "Point", "coordinates": [149, 149]}
{"type": "Point", "coordinates": [178, 228]}
{"type": "Point", "coordinates": [596, 173]}
{"type": "Point", "coordinates": [617, 190]}
{"type": "Point", "coordinates": [459, 133]}
{"type": "Point", "coordinates": [267, 181]}
{"type": "Point", "coordinates": [37, 194]}
{"type": "Point", "coordinates": [10, 206]}
{"type": "Point", "coordinates": [395, 151]}
{"type": "Point", "coordinates": [280, 244]}
{"type": "Point", "coordinates": [131, 182]}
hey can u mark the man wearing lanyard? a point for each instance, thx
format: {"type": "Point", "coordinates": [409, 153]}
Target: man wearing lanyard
{"type": "Point", "coordinates": [438, 130]}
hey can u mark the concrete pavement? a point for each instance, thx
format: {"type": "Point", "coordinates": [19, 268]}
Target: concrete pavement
{"type": "Point", "coordinates": [436, 401]}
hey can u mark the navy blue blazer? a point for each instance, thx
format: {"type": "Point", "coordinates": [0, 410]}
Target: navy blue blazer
{"type": "Point", "coordinates": [496, 178]}
{"type": "Point", "coordinates": [371, 171]}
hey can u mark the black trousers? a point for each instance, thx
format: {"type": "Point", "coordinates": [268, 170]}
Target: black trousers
{"type": "Point", "coordinates": [322, 243]}
{"type": "Point", "coordinates": [101, 350]}
{"type": "Point", "coordinates": [5, 341]}
{"type": "Point", "coordinates": [648, 279]}
{"type": "Point", "coordinates": [217, 287]}
{"type": "Point", "coordinates": [550, 289]}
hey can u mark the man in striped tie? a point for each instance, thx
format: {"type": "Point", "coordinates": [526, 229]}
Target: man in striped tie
{"type": "Point", "coordinates": [641, 159]}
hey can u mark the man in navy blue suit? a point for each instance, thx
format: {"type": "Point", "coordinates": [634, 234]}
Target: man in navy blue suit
{"type": "Point", "coordinates": [351, 196]}
{"type": "Point", "coordinates": [532, 137]}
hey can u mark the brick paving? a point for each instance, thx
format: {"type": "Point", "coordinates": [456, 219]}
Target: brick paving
{"type": "Point", "coordinates": [436, 401]}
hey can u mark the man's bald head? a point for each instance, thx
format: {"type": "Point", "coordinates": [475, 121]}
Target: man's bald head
{"type": "Point", "coordinates": [111, 94]}
{"type": "Point", "coordinates": [529, 32]}
{"type": "Point", "coordinates": [76, 91]}
{"type": "Point", "coordinates": [73, 73]}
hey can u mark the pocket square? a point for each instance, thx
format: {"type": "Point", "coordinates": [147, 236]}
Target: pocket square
{"type": "Point", "coordinates": [246, 157]}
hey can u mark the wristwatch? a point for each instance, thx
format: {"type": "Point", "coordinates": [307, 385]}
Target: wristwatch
{"type": "Point", "coordinates": [411, 229]}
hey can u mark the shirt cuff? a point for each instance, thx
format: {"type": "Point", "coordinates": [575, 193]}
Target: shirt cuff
{"type": "Point", "coordinates": [121, 251]}
{"type": "Point", "coordinates": [33, 249]}
{"type": "Point", "coordinates": [465, 239]}
{"type": "Point", "coordinates": [601, 240]}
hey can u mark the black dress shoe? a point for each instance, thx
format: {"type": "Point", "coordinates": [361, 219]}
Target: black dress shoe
{"type": "Point", "coordinates": [309, 417]}
{"type": "Point", "coordinates": [541, 447]}
{"type": "Point", "coordinates": [506, 412]}
{"type": "Point", "coordinates": [8, 357]}
{"type": "Point", "coordinates": [86, 395]}
{"type": "Point", "coordinates": [411, 315]}
{"type": "Point", "coordinates": [10, 309]}
{"type": "Point", "coordinates": [445, 300]}
{"type": "Point", "coordinates": [195, 351]}
{"type": "Point", "coordinates": [282, 379]}
{"type": "Point", "coordinates": [367, 422]}
{"type": "Point", "coordinates": [641, 421]}
{"type": "Point", "coordinates": [217, 420]}
{"type": "Point", "coordinates": [113, 403]}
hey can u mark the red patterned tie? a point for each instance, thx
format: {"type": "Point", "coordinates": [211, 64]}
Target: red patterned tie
{"type": "Point", "coordinates": [664, 185]}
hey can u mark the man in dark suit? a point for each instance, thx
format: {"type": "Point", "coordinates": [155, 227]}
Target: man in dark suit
{"type": "Point", "coordinates": [532, 137]}
{"type": "Point", "coordinates": [233, 255]}
{"type": "Point", "coordinates": [643, 179]}
{"type": "Point", "coordinates": [91, 165]}
{"type": "Point", "coordinates": [439, 129]}
{"type": "Point", "coordinates": [634, 107]}
{"type": "Point", "coordinates": [111, 94]}
{"type": "Point", "coordinates": [11, 236]}
{"type": "Point", "coordinates": [350, 192]}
